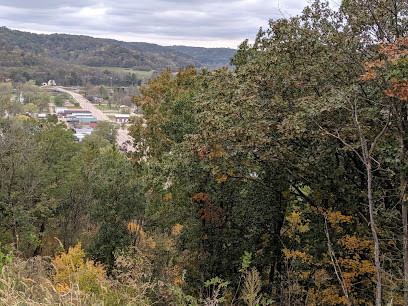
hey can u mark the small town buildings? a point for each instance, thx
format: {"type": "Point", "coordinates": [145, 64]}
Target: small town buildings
{"type": "Point", "coordinates": [69, 111]}
{"type": "Point", "coordinates": [80, 114]}
{"type": "Point", "coordinates": [51, 83]}
{"type": "Point", "coordinates": [81, 133]}
{"type": "Point", "coordinates": [42, 116]}
{"type": "Point", "coordinates": [81, 120]}
{"type": "Point", "coordinates": [60, 109]}
{"type": "Point", "coordinates": [122, 118]}
{"type": "Point", "coordinates": [78, 117]}
{"type": "Point", "coordinates": [98, 100]}
{"type": "Point", "coordinates": [95, 99]}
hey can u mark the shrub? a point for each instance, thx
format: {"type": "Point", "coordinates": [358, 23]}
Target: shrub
{"type": "Point", "coordinates": [72, 268]}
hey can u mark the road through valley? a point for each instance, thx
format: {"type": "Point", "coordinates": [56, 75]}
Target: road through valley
{"type": "Point", "coordinates": [122, 136]}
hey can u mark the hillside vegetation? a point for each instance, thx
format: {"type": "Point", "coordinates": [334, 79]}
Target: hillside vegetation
{"type": "Point", "coordinates": [26, 55]}
{"type": "Point", "coordinates": [208, 57]}
{"type": "Point", "coordinates": [280, 182]}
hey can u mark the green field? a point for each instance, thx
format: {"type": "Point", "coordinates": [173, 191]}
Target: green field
{"type": "Point", "coordinates": [106, 107]}
{"type": "Point", "coordinates": [139, 73]}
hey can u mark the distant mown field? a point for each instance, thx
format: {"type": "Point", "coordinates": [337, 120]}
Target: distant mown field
{"type": "Point", "coordinates": [139, 73]}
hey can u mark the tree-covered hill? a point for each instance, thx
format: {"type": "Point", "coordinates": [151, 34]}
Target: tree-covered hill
{"type": "Point", "coordinates": [25, 55]}
{"type": "Point", "coordinates": [70, 59]}
{"type": "Point", "coordinates": [89, 51]}
{"type": "Point", "coordinates": [208, 57]}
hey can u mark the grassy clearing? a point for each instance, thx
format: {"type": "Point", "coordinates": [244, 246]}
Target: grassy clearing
{"type": "Point", "coordinates": [106, 107]}
{"type": "Point", "coordinates": [71, 279]}
{"type": "Point", "coordinates": [139, 73]}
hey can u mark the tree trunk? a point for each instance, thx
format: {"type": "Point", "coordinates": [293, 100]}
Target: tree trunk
{"type": "Point", "coordinates": [400, 115]}
{"type": "Point", "coordinates": [366, 158]}
{"type": "Point", "coordinates": [201, 257]}
{"type": "Point", "coordinates": [405, 250]}
{"type": "Point", "coordinates": [11, 207]}
{"type": "Point", "coordinates": [374, 232]}
{"type": "Point", "coordinates": [404, 217]}
{"type": "Point", "coordinates": [38, 249]}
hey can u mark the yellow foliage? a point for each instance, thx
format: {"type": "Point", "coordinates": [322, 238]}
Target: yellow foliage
{"type": "Point", "coordinates": [62, 287]}
{"type": "Point", "coordinates": [221, 179]}
{"type": "Point", "coordinates": [72, 268]}
{"type": "Point", "coordinates": [152, 244]}
{"type": "Point", "coordinates": [351, 255]}
{"type": "Point", "coordinates": [178, 281]}
{"type": "Point", "coordinates": [167, 197]}
{"type": "Point", "coordinates": [337, 217]}
{"type": "Point", "coordinates": [169, 245]}
{"type": "Point", "coordinates": [217, 151]}
{"type": "Point", "coordinates": [295, 254]}
{"type": "Point", "coordinates": [296, 224]}
{"type": "Point", "coordinates": [135, 228]}
{"type": "Point", "coordinates": [327, 296]}
{"type": "Point", "coordinates": [176, 230]}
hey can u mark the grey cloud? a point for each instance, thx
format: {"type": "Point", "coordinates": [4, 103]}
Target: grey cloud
{"type": "Point", "coordinates": [165, 20]}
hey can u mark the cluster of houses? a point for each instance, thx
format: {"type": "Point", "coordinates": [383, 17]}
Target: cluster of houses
{"type": "Point", "coordinates": [78, 119]}
{"type": "Point", "coordinates": [49, 83]}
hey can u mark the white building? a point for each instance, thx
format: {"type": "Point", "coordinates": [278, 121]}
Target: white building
{"type": "Point", "coordinates": [60, 109]}
{"type": "Point", "coordinates": [81, 133]}
{"type": "Point", "coordinates": [122, 118]}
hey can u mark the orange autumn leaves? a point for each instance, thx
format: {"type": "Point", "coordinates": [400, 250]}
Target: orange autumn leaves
{"type": "Point", "coordinates": [209, 212]}
{"type": "Point", "coordinates": [391, 54]}
{"type": "Point", "coordinates": [398, 90]}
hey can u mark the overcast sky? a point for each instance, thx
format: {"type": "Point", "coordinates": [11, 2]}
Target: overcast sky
{"type": "Point", "coordinates": [207, 23]}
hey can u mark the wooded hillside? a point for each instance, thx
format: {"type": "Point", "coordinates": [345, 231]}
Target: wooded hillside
{"type": "Point", "coordinates": [26, 55]}
{"type": "Point", "coordinates": [282, 181]}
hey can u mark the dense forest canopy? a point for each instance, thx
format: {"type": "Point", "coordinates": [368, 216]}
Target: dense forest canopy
{"type": "Point", "coordinates": [282, 181]}
{"type": "Point", "coordinates": [40, 57]}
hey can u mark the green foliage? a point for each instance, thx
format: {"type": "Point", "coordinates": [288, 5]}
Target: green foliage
{"type": "Point", "coordinates": [246, 262]}
{"type": "Point", "coordinates": [75, 60]}
{"type": "Point", "coordinates": [213, 291]}
{"type": "Point", "coordinates": [117, 199]}
{"type": "Point", "coordinates": [252, 287]}
{"type": "Point", "coordinates": [58, 100]}
{"type": "Point", "coordinates": [30, 108]}
{"type": "Point", "coordinates": [179, 297]}
{"type": "Point", "coordinates": [6, 255]}
{"type": "Point", "coordinates": [106, 130]}
{"type": "Point", "coordinates": [53, 119]}
{"type": "Point", "coordinates": [268, 160]}
{"type": "Point", "coordinates": [210, 58]}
